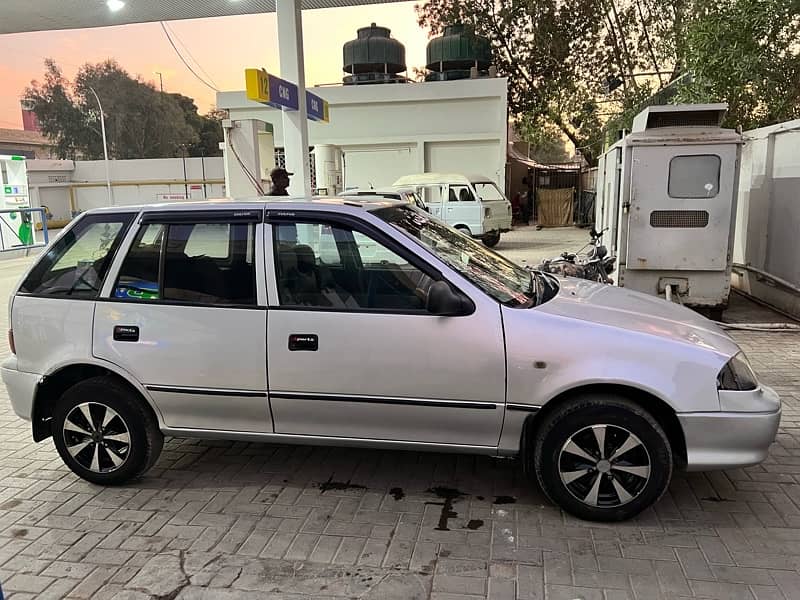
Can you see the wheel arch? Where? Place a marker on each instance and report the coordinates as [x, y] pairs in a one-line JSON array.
[[662, 412], [58, 381]]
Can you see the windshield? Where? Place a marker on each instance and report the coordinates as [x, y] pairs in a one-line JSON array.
[[488, 191], [497, 276]]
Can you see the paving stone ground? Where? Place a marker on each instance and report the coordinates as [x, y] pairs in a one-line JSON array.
[[231, 521]]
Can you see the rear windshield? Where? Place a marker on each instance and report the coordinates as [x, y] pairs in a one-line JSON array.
[[76, 264]]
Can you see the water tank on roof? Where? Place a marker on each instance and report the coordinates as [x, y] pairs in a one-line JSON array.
[[374, 57], [456, 52]]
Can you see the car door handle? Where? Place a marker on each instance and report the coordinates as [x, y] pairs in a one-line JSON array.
[[308, 342], [126, 333]]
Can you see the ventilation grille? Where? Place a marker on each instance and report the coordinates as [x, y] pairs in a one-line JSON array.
[[679, 218], [695, 118], [57, 179]]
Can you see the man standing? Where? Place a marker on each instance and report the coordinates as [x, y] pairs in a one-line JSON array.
[[280, 181]]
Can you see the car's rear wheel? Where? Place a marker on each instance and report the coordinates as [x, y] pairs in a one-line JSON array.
[[602, 458], [104, 433], [491, 239]]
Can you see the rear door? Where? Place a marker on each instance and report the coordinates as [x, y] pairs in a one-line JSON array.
[[184, 313], [496, 209]]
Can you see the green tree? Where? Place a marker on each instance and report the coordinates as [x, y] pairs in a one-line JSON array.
[[140, 122], [745, 53], [208, 127]]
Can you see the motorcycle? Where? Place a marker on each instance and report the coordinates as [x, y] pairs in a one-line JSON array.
[[595, 265]]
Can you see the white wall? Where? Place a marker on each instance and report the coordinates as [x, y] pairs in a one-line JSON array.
[[414, 120], [768, 214], [65, 186]]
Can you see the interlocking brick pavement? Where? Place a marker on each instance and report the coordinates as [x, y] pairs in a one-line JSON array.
[[218, 520]]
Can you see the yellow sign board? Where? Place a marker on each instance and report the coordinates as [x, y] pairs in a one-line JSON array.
[[257, 83]]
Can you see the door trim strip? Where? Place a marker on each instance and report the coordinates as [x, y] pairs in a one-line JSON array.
[[384, 400], [523, 407], [207, 391]]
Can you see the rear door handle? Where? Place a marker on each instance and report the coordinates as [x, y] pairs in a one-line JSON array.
[[126, 333], [308, 342]]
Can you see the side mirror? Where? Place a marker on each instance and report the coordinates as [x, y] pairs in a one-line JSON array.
[[445, 302]]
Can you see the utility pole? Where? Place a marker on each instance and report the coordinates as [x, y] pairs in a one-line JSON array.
[[161, 80]]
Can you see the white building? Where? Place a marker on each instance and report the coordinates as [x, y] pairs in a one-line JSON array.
[[383, 131]]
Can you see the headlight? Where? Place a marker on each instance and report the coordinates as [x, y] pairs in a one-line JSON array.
[[737, 375]]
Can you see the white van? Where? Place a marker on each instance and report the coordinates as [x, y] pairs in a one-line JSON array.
[[407, 195], [473, 204]]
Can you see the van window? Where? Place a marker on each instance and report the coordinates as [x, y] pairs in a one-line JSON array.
[[432, 194], [694, 176], [488, 191], [461, 193], [77, 263]]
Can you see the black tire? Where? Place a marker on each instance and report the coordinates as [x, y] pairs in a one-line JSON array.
[[103, 396], [491, 239], [582, 422], [464, 229]]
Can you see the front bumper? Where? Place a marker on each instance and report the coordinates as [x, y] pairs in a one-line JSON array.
[[732, 438], [21, 387]]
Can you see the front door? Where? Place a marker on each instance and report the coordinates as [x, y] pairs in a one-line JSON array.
[[182, 315], [353, 353]]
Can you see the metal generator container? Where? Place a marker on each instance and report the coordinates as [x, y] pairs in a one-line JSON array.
[[373, 57], [666, 198]]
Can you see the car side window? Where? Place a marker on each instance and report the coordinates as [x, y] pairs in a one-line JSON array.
[[331, 266], [200, 263], [76, 264]]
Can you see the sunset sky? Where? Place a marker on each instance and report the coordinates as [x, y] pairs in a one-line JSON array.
[[223, 47]]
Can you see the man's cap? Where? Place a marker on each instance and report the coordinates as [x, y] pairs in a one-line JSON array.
[[278, 172]]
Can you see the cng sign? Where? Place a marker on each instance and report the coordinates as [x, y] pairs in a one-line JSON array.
[[268, 89], [276, 92]]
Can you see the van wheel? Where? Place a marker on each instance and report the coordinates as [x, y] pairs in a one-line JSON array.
[[602, 458], [463, 229], [491, 239], [104, 433]]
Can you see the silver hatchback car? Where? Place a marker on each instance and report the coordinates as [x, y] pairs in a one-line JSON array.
[[367, 324]]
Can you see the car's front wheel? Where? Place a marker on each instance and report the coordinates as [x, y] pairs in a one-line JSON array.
[[104, 433], [602, 458]]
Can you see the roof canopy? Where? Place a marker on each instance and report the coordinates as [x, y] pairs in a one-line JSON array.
[[18, 16]]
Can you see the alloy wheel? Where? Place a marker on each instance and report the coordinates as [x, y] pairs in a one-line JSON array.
[[604, 466], [97, 437]]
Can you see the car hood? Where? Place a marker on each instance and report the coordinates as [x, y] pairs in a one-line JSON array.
[[633, 311]]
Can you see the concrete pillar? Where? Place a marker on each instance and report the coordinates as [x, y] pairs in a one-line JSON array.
[[295, 123], [243, 137]]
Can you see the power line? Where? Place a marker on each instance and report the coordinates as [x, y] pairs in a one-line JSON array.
[[183, 60], [189, 52]]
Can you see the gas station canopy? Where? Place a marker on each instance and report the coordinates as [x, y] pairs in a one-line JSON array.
[[46, 15]]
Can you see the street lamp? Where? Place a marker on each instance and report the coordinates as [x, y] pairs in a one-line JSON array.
[[105, 146]]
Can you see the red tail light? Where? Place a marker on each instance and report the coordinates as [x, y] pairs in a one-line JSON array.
[[11, 341]]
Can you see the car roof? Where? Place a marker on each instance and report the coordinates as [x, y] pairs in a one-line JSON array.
[[265, 202], [432, 178]]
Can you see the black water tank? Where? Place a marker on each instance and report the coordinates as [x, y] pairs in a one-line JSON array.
[[374, 57], [455, 52]]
